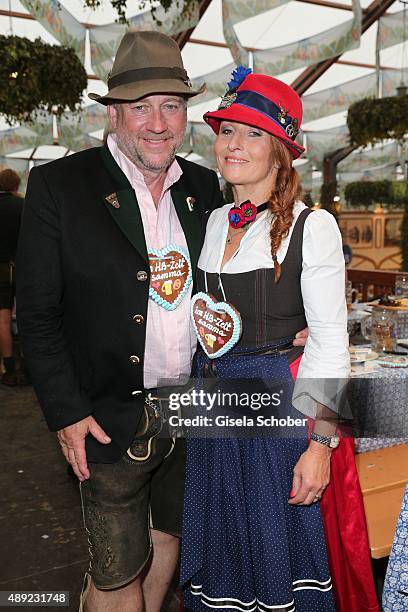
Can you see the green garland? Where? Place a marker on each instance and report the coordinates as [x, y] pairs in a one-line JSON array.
[[36, 77], [392, 194], [373, 119], [121, 6]]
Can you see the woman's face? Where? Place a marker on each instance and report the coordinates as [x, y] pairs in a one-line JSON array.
[[244, 155]]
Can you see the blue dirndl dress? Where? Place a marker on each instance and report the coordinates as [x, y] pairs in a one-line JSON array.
[[244, 547]]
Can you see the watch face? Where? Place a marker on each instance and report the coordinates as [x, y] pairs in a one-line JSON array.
[[334, 442]]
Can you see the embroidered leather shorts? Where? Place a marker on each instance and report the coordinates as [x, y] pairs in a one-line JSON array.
[[122, 501]]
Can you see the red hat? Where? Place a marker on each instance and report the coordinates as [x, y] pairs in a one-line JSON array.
[[264, 102]]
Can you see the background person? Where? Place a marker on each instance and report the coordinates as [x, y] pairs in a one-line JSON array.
[[11, 206]]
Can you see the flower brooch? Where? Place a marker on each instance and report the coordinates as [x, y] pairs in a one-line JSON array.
[[242, 215]]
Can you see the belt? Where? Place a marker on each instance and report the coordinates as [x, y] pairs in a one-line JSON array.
[[279, 350]]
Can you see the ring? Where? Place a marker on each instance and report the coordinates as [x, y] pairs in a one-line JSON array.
[[317, 498]]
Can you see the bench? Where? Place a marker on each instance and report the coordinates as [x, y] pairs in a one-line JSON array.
[[383, 476]]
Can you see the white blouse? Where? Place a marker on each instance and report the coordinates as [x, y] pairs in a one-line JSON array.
[[326, 354]]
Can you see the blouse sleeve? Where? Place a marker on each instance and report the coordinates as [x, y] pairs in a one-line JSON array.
[[325, 366]]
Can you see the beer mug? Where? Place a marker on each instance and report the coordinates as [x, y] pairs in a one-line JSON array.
[[210, 339], [167, 287], [381, 329]]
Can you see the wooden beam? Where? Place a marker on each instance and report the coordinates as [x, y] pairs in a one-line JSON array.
[[360, 65], [183, 37], [212, 43], [19, 15], [5, 13], [312, 73]]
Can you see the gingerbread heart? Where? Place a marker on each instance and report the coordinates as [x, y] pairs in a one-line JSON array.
[[218, 325], [170, 275]]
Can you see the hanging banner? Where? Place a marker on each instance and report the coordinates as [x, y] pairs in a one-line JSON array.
[[387, 171], [202, 140], [21, 166], [59, 22], [93, 117], [27, 135], [104, 40], [305, 52], [242, 9], [370, 157], [390, 80], [390, 30], [216, 84], [72, 133], [305, 172], [319, 143], [233, 12], [338, 98]]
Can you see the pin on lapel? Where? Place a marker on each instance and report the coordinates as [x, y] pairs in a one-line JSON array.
[[112, 199], [190, 203]]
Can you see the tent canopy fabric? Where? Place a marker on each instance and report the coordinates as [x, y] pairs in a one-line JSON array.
[[271, 35]]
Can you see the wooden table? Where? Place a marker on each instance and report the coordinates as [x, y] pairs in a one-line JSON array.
[[383, 476]]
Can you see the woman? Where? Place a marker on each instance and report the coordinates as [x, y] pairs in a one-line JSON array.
[[253, 536]]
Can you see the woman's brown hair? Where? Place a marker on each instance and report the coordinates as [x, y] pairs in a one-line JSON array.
[[282, 200]]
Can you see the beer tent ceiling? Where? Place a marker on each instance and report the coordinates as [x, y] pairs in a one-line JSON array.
[[293, 32]]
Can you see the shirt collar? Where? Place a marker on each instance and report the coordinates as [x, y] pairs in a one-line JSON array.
[[133, 174]]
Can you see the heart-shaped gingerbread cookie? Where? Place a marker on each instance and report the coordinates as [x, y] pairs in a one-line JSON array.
[[170, 275], [218, 325]]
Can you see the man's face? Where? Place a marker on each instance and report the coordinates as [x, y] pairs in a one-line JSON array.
[[151, 130]]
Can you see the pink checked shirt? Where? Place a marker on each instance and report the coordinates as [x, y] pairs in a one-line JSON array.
[[170, 340]]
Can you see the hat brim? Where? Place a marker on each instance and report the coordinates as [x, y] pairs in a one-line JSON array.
[[248, 116], [134, 91]]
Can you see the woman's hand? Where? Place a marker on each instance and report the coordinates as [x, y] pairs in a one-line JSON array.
[[311, 475]]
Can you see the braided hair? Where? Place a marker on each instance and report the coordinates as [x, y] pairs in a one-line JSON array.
[[282, 200]]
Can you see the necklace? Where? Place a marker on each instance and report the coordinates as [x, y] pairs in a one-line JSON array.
[[231, 236]]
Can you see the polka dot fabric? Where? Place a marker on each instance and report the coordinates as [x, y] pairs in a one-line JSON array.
[[244, 547]]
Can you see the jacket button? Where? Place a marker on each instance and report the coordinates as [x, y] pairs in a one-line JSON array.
[[141, 275], [134, 359], [138, 318]]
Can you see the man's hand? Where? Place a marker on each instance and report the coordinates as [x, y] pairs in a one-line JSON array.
[[311, 475], [72, 441], [301, 337]]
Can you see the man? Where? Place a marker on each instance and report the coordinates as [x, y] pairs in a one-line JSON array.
[[95, 343], [11, 206]]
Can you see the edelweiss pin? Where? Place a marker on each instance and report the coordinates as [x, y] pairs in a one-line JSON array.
[[112, 199]]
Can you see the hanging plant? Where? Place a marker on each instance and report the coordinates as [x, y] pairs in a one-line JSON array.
[[37, 77], [390, 194], [121, 5], [373, 119]]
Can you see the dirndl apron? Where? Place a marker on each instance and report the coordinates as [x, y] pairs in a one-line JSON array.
[[244, 547]]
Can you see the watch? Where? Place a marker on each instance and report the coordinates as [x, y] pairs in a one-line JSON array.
[[331, 442]]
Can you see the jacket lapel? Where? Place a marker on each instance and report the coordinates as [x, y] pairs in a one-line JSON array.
[[122, 205], [190, 220]]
